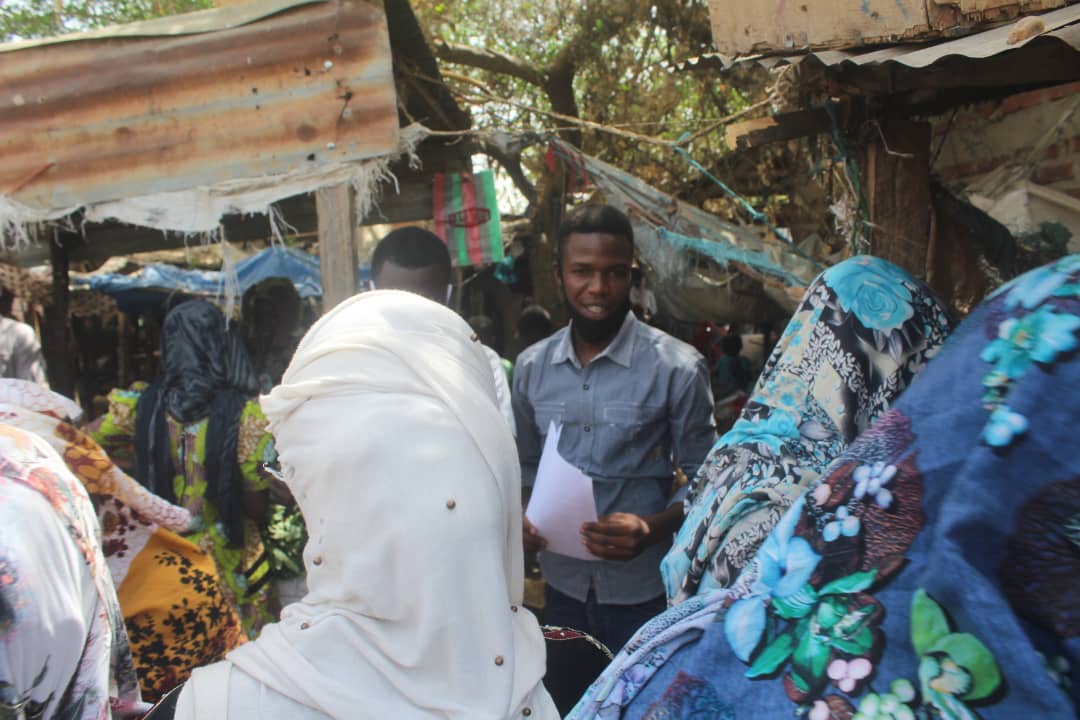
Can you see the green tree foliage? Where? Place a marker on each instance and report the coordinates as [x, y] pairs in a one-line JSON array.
[[618, 63], [25, 19]]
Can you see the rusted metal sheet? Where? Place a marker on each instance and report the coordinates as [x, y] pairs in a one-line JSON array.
[[171, 105], [960, 70], [742, 27], [1059, 27]]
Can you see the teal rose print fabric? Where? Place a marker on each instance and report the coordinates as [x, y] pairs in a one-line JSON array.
[[1027, 332], [863, 331], [931, 572]]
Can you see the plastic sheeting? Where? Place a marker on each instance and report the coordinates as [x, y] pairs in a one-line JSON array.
[[148, 288], [701, 267]]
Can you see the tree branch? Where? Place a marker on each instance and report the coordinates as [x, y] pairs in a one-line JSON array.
[[488, 60], [595, 24], [510, 158]]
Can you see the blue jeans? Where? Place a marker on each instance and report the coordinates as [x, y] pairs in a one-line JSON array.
[[612, 625]]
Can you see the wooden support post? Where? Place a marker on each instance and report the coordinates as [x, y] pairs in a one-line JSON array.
[[123, 350], [337, 251], [897, 189], [56, 340]]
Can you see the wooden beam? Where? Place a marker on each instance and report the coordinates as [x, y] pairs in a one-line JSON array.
[[897, 190], [786, 126], [123, 351], [56, 338], [335, 207]]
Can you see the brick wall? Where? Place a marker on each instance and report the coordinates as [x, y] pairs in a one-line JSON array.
[[984, 137]]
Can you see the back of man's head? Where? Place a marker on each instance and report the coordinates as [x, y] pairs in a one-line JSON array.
[[484, 327], [413, 259], [534, 325], [731, 345]]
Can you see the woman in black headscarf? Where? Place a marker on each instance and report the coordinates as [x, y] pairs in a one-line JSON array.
[[200, 441]]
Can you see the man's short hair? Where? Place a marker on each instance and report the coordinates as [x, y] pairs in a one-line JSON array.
[[593, 218], [411, 247]]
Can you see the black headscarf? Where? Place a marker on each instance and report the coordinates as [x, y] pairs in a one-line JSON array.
[[205, 373]]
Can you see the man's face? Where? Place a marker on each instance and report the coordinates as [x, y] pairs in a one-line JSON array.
[[595, 276], [429, 282]]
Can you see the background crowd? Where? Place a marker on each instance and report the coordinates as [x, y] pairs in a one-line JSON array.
[[885, 526]]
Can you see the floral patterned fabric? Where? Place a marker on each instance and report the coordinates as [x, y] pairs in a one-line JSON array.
[[242, 570], [932, 572], [863, 331], [63, 648], [177, 616]]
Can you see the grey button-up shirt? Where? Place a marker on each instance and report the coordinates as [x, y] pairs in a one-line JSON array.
[[640, 404]]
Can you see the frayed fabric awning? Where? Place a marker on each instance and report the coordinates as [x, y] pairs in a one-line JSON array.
[[198, 211], [751, 274]]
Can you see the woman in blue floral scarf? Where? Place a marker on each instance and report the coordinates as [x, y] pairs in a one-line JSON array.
[[933, 571], [862, 332]]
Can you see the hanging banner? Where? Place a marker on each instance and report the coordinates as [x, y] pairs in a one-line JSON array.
[[467, 217]]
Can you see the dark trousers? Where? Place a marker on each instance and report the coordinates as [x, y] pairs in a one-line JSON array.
[[612, 625]]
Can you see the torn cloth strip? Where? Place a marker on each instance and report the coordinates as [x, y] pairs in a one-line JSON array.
[[198, 211]]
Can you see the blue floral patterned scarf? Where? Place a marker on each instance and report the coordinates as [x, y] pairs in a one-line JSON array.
[[863, 331], [932, 572]]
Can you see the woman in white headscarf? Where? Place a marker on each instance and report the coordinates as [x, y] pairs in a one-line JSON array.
[[392, 443]]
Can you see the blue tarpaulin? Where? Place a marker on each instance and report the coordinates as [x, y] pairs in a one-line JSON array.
[[148, 288], [282, 262]]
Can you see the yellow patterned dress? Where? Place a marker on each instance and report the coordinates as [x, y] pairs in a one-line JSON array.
[[175, 611], [244, 572]]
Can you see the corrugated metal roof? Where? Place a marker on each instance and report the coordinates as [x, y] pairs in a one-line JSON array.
[[1062, 26], [236, 92], [192, 23]]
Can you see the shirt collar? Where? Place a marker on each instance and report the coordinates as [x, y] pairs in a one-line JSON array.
[[620, 350]]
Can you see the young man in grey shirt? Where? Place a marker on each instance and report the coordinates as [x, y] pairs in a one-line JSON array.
[[634, 403]]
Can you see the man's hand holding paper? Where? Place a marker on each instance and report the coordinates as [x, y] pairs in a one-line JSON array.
[[561, 504]]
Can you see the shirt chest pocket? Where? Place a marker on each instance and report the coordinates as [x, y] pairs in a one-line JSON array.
[[546, 413], [633, 419]]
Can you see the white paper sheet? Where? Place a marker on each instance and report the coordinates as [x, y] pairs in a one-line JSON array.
[[561, 501]]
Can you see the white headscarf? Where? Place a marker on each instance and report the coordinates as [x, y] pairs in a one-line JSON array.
[[408, 478]]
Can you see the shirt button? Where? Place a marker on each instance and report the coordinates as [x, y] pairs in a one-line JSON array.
[[317, 560], [513, 608], [587, 428], [499, 660], [304, 625], [585, 386], [451, 504], [527, 712]]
